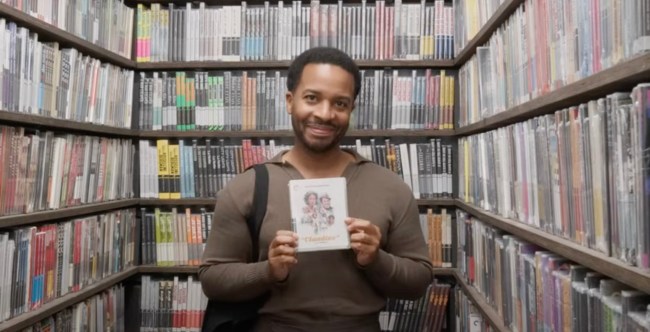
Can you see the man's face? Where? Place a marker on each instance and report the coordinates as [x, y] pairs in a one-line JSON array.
[[320, 106], [325, 202]]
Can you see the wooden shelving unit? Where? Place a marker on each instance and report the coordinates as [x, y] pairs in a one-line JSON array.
[[43, 122], [48, 31], [486, 310], [590, 258], [620, 77], [27, 319], [70, 212]]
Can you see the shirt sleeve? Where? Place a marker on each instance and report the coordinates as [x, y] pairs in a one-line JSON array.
[[225, 273], [402, 268]]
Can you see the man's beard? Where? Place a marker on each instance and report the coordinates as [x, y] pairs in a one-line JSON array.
[[318, 145]]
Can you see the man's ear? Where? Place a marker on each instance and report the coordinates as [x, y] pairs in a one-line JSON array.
[[289, 100]]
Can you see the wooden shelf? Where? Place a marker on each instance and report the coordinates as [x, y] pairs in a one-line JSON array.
[[215, 134], [71, 212], [284, 64], [186, 269], [133, 3], [49, 32], [401, 133], [212, 201], [621, 77], [445, 271], [590, 258], [30, 318], [436, 202], [178, 202], [183, 269], [289, 133], [214, 65], [498, 18], [37, 121], [481, 304]]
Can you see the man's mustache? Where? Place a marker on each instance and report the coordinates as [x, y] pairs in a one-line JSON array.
[[320, 124]]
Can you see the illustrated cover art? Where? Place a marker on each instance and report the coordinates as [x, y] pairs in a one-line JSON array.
[[318, 211]]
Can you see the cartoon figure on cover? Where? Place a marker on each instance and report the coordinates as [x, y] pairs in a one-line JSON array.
[[318, 211]]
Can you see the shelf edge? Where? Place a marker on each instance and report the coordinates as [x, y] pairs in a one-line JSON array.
[[30, 318], [592, 259]]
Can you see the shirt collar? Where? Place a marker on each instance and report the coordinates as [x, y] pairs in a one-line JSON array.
[[358, 159]]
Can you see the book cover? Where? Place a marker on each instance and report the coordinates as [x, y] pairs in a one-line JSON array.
[[318, 211]]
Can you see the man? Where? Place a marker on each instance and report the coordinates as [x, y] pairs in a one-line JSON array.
[[325, 211], [325, 205], [338, 290]]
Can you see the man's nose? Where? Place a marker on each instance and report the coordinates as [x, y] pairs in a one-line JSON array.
[[324, 110]]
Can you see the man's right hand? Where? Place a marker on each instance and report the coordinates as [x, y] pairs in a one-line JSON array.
[[282, 254]]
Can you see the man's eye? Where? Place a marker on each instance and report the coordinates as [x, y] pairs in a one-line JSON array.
[[341, 104], [310, 98]]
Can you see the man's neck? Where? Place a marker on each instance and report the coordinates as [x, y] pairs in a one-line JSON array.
[[318, 165]]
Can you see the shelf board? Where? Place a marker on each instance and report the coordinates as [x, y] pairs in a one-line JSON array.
[[212, 201], [498, 18], [481, 304], [30, 318], [38, 121], [620, 77], [401, 133], [284, 64], [178, 202], [186, 269], [70, 212], [289, 133], [597, 261], [215, 134], [445, 271], [182, 269], [436, 201], [132, 3], [49, 32]]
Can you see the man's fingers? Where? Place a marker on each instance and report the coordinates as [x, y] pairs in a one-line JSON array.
[[360, 225], [284, 237], [363, 234], [356, 222], [284, 240], [359, 237], [283, 250], [363, 238], [286, 233], [284, 259]]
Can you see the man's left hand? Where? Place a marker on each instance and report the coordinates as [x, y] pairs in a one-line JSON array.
[[365, 238]]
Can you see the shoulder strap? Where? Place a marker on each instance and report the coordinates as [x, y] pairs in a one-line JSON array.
[[260, 198]]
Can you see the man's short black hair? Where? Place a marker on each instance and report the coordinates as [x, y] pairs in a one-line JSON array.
[[324, 55]]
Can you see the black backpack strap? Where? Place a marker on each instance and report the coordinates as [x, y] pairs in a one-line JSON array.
[[223, 316], [260, 199]]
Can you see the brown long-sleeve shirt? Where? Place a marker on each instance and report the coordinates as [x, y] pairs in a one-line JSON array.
[[326, 286]]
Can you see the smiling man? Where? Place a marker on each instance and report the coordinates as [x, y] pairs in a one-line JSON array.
[[338, 290]]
